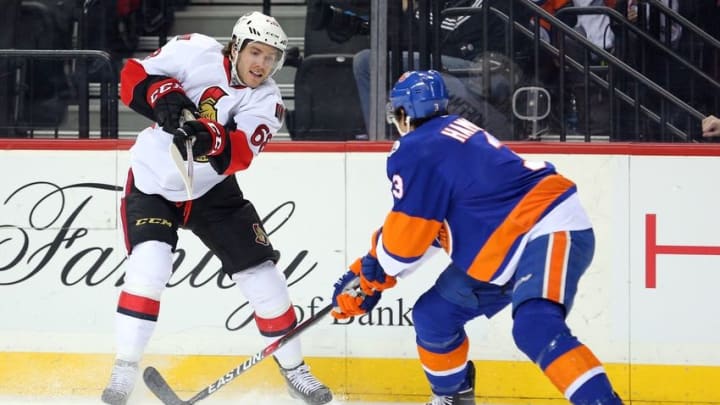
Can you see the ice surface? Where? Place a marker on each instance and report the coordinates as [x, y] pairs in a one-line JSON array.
[[248, 399]]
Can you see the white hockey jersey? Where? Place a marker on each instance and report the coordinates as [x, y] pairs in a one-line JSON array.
[[197, 62]]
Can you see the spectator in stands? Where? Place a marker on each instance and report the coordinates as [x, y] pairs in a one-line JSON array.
[[461, 47], [593, 26], [675, 28], [711, 126], [596, 28]]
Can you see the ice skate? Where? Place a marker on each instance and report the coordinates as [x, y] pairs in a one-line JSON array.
[[122, 381], [464, 397], [303, 385]]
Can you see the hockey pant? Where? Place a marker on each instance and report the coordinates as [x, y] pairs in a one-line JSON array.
[[545, 285], [541, 291]]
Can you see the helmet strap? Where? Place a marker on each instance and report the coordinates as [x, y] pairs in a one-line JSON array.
[[403, 129], [234, 76], [407, 124]]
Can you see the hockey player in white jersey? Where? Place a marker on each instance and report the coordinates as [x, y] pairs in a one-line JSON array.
[[238, 107]]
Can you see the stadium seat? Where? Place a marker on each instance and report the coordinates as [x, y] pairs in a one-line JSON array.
[[326, 100]]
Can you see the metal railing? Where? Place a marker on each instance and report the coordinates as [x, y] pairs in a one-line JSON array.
[[652, 110], [91, 75], [623, 83], [698, 47], [692, 75], [392, 34], [78, 60]]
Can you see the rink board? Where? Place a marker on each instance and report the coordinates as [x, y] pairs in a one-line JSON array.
[[642, 307], [401, 380]]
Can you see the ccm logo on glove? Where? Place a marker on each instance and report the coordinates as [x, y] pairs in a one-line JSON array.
[[208, 137], [217, 134], [168, 101], [162, 88]]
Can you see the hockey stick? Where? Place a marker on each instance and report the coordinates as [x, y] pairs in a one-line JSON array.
[[157, 384], [185, 169]]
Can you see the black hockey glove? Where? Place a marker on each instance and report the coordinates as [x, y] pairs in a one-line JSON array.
[[168, 100], [209, 137], [168, 110]]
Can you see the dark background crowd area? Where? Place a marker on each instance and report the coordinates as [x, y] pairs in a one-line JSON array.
[[596, 91]]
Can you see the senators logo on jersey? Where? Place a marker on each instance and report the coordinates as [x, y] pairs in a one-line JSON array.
[[261, 237], [208, 100]]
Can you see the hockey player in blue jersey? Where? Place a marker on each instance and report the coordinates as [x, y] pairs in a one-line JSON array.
[[516, 234]]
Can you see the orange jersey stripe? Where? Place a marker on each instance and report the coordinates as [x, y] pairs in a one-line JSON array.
[[407, 236], [557, 266], [571, 366], [520, 220], [445, 361], [356, 266]]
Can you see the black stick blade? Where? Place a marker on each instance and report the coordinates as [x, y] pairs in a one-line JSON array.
[[157, 384]]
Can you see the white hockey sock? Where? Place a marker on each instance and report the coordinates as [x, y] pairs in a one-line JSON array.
[[290, 355], [132, 336], [265, 288], [148, 270]]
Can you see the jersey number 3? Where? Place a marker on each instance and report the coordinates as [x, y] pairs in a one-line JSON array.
[[397, 186]]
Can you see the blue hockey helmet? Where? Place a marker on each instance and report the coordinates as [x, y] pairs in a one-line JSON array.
[[421, 93]]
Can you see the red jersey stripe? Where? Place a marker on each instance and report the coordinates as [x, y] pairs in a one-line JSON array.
[[240, 153], [131, 75]]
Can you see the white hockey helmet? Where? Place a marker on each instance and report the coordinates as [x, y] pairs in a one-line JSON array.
[[258, 27]]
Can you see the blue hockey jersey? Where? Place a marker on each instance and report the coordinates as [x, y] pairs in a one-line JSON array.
[[457, 185]]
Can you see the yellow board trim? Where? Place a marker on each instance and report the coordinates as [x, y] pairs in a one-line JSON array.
[[355, 379]]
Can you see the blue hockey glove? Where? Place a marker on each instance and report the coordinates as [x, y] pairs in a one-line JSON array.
[[373, 277], [349, 299]]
